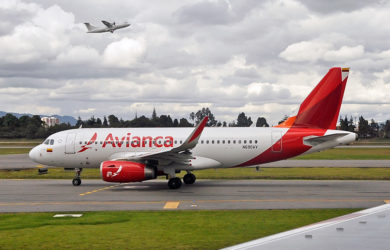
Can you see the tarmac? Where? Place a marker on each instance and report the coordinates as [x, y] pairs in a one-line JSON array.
[[95, 195], [21, 161]]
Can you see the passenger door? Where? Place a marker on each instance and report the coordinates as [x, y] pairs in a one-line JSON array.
[[69, 145]]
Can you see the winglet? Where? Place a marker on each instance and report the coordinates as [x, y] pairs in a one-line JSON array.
[[193, 139], [198, 130]]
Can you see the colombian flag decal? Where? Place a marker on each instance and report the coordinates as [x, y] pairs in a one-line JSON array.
[[49, 150]]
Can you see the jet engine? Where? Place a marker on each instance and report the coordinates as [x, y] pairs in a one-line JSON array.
[[126, 171]]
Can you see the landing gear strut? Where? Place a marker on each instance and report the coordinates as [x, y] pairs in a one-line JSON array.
[[189, 178], [174, 183], [77, 180]]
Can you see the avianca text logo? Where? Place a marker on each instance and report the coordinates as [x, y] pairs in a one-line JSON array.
[[128, 141], [84, 147]]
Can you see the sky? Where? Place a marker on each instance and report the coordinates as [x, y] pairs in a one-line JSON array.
[[258, 57]]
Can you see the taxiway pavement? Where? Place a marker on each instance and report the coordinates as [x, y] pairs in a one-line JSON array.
[[21, 161], [96, 195]]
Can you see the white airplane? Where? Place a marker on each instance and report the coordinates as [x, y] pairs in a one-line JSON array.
[[111, 27], [139, 154]]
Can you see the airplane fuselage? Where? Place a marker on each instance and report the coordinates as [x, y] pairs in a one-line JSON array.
[[217, 147], [109, 29]]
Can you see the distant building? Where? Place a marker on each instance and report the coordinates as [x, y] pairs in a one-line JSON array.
[[50, 121]]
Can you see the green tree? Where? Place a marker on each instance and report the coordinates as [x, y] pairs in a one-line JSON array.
[[200, 114], [105, 123], [243, 120], [364, 128], [185, 123], [261, 122], [386, 129], [154, 115], [113, 121]]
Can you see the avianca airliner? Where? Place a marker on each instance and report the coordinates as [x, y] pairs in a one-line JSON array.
[[139, 154]]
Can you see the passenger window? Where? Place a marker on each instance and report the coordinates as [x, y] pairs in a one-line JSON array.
[[212, 141], [228, 141], [51, 141], [255, 141], [250, 141], [180, 141], [244, 141], [217, 141], [207, 142], [239, 141], [234, 141], [201, 142], [223, 141], [175, 142]]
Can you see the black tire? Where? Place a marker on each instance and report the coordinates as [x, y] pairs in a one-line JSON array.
[[76, 182], [174, 183], [189, 179]]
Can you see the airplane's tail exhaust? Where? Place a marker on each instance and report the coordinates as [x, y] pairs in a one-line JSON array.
[[322, 107], [89, 26]]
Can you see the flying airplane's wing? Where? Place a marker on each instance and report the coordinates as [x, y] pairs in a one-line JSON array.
[[108, 24], [180, 154]]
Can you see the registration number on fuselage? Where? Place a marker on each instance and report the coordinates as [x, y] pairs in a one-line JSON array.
[[249, 146]]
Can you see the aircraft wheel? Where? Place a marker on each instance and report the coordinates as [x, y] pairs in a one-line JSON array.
[[174, 183], [76, 182], [189, 178]]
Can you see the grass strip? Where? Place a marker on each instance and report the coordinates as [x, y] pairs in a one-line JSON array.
[[152, 230], [231, 173], [349, 154], [9, 151]]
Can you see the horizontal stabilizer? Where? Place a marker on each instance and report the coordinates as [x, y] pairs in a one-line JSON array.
[[314, 141]]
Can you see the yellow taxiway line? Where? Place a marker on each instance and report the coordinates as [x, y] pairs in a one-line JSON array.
[[100, 189]]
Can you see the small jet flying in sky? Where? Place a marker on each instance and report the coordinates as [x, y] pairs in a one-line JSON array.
[[111, 27], [139, 154]]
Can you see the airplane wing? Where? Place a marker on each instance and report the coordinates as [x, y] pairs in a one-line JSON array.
[[108, 24], [180, 154]]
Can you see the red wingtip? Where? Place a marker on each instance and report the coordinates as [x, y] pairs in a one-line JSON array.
[[199, 129]]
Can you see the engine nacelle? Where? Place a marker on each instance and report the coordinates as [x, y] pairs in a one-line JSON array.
[[126, 171]]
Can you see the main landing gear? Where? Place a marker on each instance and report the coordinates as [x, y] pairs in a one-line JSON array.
[[77, 180], [175, 182]]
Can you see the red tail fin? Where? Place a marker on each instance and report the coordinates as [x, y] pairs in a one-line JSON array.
[[321, 108]]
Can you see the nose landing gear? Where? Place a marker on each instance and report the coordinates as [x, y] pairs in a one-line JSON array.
[[77, 180]]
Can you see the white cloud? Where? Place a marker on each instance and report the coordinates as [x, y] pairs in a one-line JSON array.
[[124, 53], [345, 53], [257, 57], [86, 111]]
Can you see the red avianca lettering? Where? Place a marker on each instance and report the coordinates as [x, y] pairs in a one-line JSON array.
[[128, 141]]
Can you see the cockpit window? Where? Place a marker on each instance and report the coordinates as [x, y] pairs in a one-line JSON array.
[[51, 141], [47, 142]]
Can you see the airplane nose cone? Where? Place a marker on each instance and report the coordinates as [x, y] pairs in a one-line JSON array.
[[34, 154]]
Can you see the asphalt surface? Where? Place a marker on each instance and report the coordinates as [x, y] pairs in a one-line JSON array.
[[21, 161], [95, 195]]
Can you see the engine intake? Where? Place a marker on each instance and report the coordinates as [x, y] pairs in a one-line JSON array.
[[126, 171]]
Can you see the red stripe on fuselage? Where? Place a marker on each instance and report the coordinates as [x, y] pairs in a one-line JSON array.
[[292, 145]]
